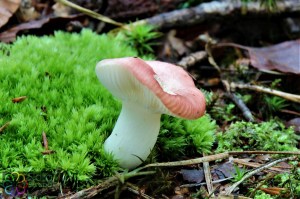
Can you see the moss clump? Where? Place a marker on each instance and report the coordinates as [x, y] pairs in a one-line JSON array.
[[269, 136], [65, 100]]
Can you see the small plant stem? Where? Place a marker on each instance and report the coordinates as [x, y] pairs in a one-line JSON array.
[[90, 13], [248, 175], [287, 96], [4, 126], [208, 179]]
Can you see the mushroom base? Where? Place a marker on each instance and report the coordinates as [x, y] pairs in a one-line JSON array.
[[133, 136]]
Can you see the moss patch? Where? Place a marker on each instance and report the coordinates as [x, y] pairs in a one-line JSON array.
[[66, 100]]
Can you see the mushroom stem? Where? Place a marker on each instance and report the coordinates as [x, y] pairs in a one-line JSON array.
[[134, 135]]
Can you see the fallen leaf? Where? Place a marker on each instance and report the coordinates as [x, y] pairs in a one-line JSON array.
[[273, 190], [19, 99], [295, 123], [195, 175], [7, 9], [284, 57], [10, 35]]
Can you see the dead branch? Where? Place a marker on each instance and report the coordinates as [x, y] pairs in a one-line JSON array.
[[248, 175], [205, 11], [192, 59], [287, 96]]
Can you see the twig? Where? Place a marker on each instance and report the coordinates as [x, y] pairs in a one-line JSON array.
[[206, 11], [248, 175], [4, 126], [241, 105], [192, 59], [208, 158], [269, 176], [245, 110], [207, 175], [211, 158], [108, 183], [287, 96], [136, 191], [264, 152], [90, 12]]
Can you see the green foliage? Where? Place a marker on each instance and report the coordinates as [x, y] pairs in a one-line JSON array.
[[269, 136], [223, 112], [273, 104], [180, 137], [269, 4], [239, 174], [66, 100], [142, 38], [262, 195]]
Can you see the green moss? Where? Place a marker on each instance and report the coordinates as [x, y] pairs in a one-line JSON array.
[[66, 100], [269, 136]]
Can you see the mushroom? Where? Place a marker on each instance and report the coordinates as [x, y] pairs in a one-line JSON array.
[[147, 89]]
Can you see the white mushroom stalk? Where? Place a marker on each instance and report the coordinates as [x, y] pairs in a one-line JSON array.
[[147, 89], [134, 135]]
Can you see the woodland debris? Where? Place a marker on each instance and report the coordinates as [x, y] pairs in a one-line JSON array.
[[208, 178], [19, 99], [206, 11], [251, 173], [7, 9], [192, 59], [284, 57], [287, 96]]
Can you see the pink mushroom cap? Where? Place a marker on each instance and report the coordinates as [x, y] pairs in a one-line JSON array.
[[171, 84]]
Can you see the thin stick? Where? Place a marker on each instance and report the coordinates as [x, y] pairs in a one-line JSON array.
[[189, 162], [242, 106], [192, 59], [90, 12], [136, 191], [264, 152], [207, 175], [287, 96], [248, 175]]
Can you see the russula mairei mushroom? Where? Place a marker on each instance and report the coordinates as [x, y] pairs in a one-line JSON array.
[[147, 89]]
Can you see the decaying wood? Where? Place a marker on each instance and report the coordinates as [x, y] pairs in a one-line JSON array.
[[205, 11]]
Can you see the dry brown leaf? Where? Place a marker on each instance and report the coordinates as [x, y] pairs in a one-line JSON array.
[[7, 9], [284, 57], [18, 99], [10, 35]]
